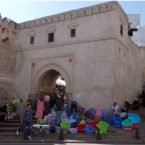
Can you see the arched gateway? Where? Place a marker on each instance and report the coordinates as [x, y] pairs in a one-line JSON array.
[[45, 77]]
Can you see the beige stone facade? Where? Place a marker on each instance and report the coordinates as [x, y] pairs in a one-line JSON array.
[[101, 64]]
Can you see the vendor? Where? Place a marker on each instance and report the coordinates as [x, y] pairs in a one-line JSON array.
[[40, 108], [59, 106], [135, 104], [74, 107], [143, 98], [47, 108], [126, 107], [125, 110], [115, 109]]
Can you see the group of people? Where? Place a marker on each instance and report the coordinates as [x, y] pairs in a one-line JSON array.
[[3, 111], [41, 108], [59, 102], [45, 104], [125, 109]]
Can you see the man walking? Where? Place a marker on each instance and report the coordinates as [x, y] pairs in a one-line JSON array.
[[20, 109], [27, 122]]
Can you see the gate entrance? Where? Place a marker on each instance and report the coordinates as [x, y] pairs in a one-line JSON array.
[[50, 80]]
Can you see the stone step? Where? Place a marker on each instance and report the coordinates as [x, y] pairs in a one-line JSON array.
[[8, 133], [8, 129], [17, 121], [11, 124], [13, 121]]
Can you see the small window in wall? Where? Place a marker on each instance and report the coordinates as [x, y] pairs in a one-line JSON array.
[[51, 37], [3, 30], [32, 40], [73, 32], [121, 30]]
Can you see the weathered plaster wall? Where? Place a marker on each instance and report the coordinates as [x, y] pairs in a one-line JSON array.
[[7, 73], [89, 73], [127, 72]]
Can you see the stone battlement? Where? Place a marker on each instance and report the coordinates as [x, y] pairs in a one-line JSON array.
[[74, 14]]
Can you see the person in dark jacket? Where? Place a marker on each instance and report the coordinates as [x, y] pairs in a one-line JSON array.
[[143, 98], [135, 104], [30, 101], [59, 106], [74, 107], [27, 122], [52, 100], [125, 110], [47, 108], [126, 107], [3, 113]]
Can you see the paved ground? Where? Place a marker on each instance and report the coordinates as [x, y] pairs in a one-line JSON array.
[[118, 136], [61, 144]]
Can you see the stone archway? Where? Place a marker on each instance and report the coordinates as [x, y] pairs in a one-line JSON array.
[[54, 71], [46, 82]]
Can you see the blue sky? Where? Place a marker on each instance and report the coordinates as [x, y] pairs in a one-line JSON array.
[[21, 11]]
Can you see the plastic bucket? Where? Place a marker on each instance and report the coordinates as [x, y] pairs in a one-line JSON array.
[[89, 129]]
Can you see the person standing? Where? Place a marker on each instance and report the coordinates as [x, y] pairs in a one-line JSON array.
[[143, 98], [126, 107], [59, 106], [53, 97], [135, 104], [21, 109], [115, 109], [40, 108], [3, 113], [27, 122], [47, 108], [125, 110], [20, 113], [74, 107], [30, 101]]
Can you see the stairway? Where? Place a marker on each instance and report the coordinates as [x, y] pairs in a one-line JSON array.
[[9, 127]]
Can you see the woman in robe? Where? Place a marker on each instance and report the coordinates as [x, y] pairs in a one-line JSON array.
[[40, 109]]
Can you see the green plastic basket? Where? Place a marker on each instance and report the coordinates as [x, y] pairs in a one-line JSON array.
[[103, 126]]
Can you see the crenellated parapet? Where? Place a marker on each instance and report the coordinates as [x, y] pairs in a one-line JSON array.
[[7, 31], [92, 10]]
